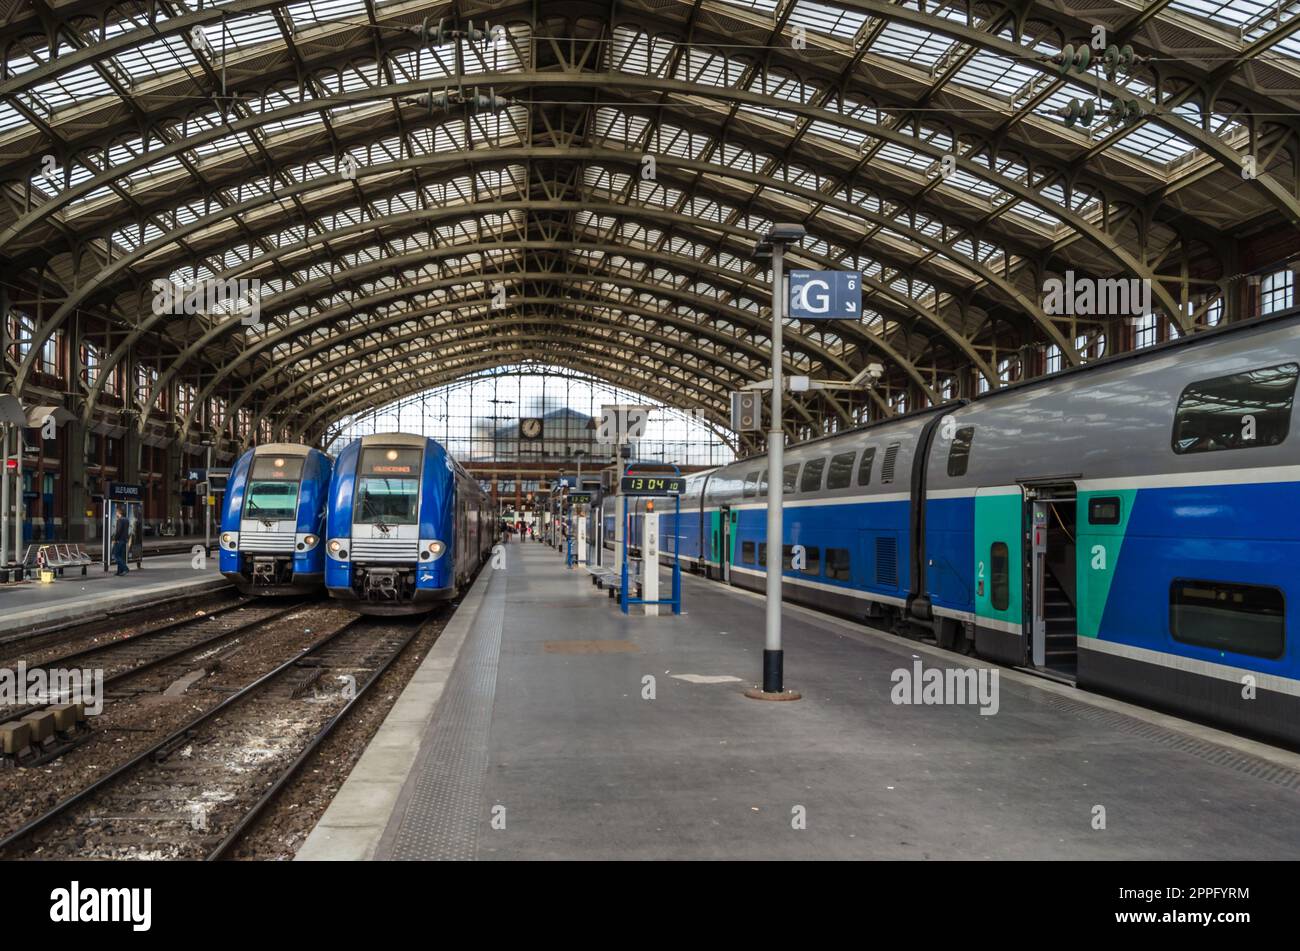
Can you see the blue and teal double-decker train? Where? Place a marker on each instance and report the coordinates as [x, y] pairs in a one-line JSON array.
[[1132, 524]]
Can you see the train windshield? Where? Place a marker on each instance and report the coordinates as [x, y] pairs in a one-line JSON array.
[[388, 487], [272, 491]]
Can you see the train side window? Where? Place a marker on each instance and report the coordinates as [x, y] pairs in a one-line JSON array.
[[747, 552], [762, 554], [751, 485], [812, 475], [838, 565], [787, 557], [762, 483], [887, 468], [1242, 618], [1241, 411], [1104, 511], [864, 467], [959, 453], [841, 472], [1000, 576], [790, 477]]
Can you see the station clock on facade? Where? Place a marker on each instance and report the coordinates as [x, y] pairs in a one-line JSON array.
[[530, 428]]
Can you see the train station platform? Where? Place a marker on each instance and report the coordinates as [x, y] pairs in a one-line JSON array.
[[98, 593], [529, 732]]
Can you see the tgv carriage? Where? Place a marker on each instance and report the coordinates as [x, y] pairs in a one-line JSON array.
[[406, 525], [1134, 523], [272, 520]]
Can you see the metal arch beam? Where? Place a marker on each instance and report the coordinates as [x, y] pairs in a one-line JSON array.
[[288, 389], [468, 212], [1287, 203], [600, 156], [505, 81], [120, 265], [388, 294], [450, 373], [613, 157], [492, 369], [107, 46], [456, 333], [394, 293], [671, 262], [424, 255], [414, 364], [648, 21], [424, 331]]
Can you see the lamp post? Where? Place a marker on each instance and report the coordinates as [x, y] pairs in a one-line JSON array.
[[207, 498], [778, 239]]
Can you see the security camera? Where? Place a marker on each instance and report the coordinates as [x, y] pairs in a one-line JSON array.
[[875, 371]]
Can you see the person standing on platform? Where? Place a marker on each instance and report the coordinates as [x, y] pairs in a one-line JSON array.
[[121, 532]]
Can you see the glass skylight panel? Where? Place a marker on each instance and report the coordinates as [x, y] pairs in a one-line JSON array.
[[1154, 143], [1227, 13], [314, 12], [243, 32], [996, 74], [832, 21], [154, 58], [918, 162], [632, 51], [918, 47]]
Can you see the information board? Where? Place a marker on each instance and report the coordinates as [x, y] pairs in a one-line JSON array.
[[652, 485]]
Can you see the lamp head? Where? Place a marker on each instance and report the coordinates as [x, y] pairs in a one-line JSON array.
[[786, 232]]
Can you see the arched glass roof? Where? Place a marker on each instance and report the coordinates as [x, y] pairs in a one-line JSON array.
[[416, 191]]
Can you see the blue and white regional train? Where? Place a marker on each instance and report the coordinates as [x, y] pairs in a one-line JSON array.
[[406, 525], [1134, 524], [272, 520]]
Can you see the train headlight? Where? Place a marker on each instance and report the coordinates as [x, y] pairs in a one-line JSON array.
[[308, 542], [434, 550], [230, 540], [337, 548]]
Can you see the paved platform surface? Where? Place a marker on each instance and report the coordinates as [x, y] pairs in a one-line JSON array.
[[526, 735], [99, 593]]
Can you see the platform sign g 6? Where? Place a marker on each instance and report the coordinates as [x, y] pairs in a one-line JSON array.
[[826, 295]]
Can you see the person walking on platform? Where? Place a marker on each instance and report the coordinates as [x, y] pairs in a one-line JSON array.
[[121, 533]]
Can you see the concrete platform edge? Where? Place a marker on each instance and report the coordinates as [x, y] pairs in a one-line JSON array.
[[94, 606], [354, 822]]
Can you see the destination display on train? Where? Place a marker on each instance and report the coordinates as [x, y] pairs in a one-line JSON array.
[[390, 462], [652, 485]]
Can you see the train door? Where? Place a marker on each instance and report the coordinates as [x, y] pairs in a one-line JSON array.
[[714, 544], [999, 568], [726, 527], [1052, 615]]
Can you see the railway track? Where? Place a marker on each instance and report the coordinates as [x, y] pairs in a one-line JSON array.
[[152, 647], [193, 793]]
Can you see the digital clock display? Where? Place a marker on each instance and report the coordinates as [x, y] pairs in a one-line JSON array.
[[579, 498], [652, 485]]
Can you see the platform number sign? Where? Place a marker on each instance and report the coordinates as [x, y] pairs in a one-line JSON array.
[[825, 295]]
